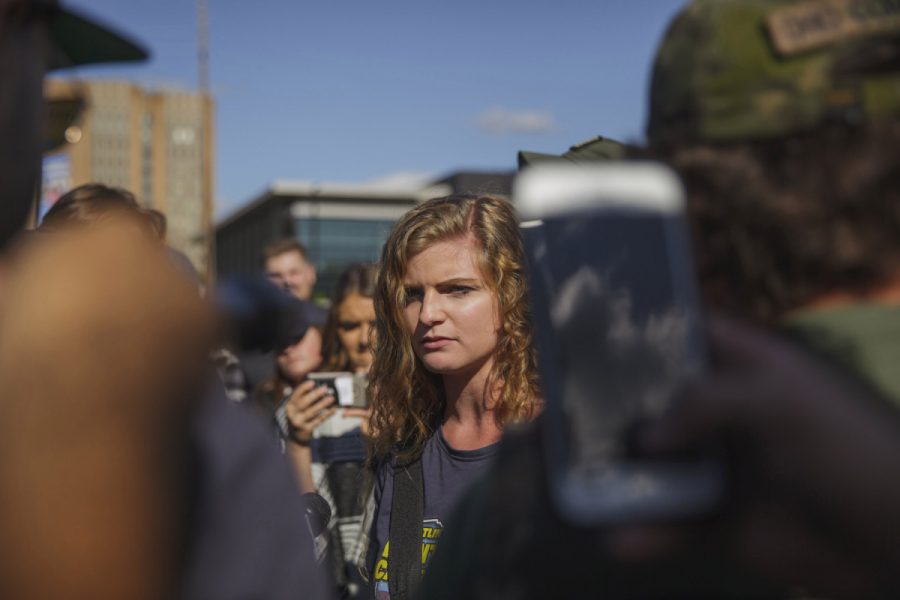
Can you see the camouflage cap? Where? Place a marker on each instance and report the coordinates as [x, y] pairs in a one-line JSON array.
[[595, 149], [732, 70]]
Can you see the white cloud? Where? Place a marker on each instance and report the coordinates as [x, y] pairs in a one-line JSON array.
[[505, 121]]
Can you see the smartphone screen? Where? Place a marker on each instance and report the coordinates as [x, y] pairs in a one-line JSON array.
[[618, 332], [349, 389]]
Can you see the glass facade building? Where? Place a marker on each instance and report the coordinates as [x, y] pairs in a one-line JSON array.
[[335, 244], [339, 224]]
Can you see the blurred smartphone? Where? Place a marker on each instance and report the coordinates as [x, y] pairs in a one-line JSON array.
[[618, 330], [349, 389]]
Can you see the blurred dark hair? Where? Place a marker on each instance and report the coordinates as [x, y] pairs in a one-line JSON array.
[[357, 279], [159, 222], [92, 203], [779, 223]]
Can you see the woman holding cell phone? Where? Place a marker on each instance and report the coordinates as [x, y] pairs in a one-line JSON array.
[[346, 347], [332, 460]]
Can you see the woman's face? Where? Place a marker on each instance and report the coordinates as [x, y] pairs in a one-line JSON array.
[[299, 360], [450, 311], [356, 326]]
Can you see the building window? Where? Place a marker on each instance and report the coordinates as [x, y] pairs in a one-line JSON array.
[[335, 244], [183, 135]]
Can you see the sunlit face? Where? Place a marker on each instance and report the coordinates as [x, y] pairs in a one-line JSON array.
[[450, 311], [290, 271], [356, 326], [299, 360]]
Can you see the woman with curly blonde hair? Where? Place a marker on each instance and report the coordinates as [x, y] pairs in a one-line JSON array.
[[453, 366]]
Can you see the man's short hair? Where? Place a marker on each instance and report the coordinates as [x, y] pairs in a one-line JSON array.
[[283, 246], [159, 221], [93, 202]]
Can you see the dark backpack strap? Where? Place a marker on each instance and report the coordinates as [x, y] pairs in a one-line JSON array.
[[405, 552]]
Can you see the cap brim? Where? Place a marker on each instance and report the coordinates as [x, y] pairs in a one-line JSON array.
[[528, 159], [597, 149], [77, 40], [293, 323]]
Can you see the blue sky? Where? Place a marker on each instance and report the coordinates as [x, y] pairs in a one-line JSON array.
[[358, 90]]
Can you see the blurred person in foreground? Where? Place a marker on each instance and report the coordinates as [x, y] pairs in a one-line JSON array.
[[328, 444], [216, 441], [790, 161], [782, 119], [37, 542], [454, 366], [103, 347], [93, 203]]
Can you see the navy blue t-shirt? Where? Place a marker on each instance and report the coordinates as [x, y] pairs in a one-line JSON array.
[[446, 474]]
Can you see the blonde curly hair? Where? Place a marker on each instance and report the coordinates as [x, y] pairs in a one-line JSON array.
[[407, 400]]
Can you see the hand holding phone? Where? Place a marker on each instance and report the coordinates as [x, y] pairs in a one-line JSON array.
[[618, 332], [306, 408], [350, 389]]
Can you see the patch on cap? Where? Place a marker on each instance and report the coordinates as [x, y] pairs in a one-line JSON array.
[[809, 25], [732, 70]]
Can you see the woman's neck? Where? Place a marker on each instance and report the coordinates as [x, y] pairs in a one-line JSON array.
[[469, 421]]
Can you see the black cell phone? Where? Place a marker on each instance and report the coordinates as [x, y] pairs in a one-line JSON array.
[[349, 389], [618, 331]]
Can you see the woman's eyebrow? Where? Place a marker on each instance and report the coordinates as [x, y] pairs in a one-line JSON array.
[[451, 281], [461, 280]]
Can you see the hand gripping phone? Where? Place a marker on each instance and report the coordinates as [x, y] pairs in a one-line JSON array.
[[618, 331], [348, 389]]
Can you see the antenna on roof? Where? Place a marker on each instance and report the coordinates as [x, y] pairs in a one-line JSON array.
[[202, 46]]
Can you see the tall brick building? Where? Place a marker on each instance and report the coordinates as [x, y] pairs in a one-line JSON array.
[[156, 143]]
